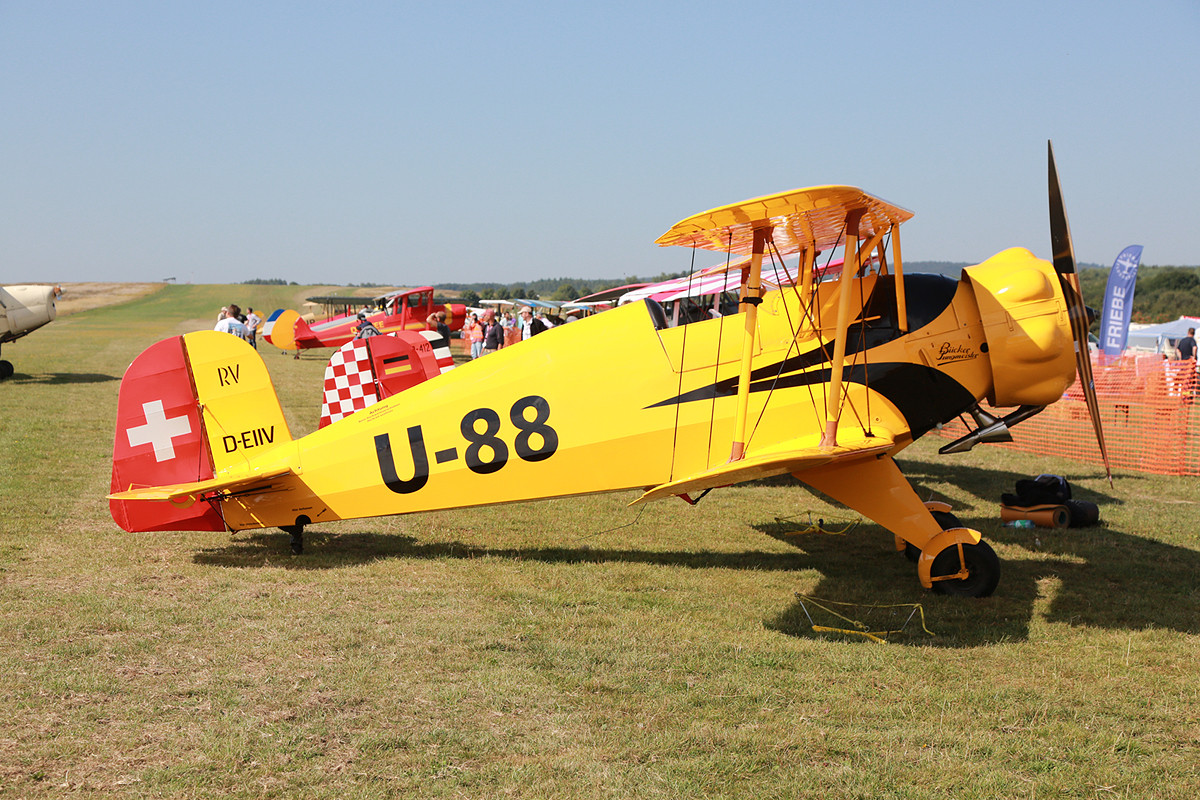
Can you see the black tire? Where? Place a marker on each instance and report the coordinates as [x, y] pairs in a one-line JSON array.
[[945, 519], [983, 568], [6, 370]]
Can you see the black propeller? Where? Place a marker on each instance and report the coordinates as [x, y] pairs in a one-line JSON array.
[[1077, 312]]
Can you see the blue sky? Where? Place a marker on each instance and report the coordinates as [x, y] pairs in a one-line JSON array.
[[404, 143]]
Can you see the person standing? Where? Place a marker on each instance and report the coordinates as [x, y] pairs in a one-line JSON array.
[[474, 332], [493, 333], [253, 321], [442, 327], [530, 325], [512, 330], [365, 329], [1185, 348], [229, 322]]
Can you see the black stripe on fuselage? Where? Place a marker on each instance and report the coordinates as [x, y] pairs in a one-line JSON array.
[[924, 395]]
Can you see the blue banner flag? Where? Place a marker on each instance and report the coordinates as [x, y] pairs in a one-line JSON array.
[[1118, 301]]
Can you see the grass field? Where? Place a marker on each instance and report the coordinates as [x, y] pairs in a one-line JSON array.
[[571, 648]]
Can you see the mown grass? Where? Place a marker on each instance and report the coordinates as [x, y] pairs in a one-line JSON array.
[[571, 648]]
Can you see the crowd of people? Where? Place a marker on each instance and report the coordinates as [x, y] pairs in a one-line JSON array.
[[486, 333], [244, 326], [489, 332]]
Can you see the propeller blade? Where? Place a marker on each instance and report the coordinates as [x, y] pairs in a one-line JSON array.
[[1064, 264], [1060, 231]]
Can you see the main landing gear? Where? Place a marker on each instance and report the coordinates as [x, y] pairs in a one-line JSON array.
[[957, 562], [297, 534], [966, 570]]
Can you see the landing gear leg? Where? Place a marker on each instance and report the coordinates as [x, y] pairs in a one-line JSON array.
[[297, 534]]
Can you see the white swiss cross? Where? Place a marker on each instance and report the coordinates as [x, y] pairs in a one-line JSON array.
[[159, 431]]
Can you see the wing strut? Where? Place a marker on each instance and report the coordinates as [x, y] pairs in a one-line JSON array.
[[850, 263], [751, 297]]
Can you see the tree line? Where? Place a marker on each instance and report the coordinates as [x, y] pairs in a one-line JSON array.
[[1161, 294]]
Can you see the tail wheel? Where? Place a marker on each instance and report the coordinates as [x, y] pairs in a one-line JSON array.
[[946, 520], [982, 565]]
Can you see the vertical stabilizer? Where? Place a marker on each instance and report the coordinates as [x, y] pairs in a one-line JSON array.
[[190, 408], [159, 441], [364, 371]]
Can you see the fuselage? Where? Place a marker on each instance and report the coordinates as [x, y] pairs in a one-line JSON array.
[[619, 401]]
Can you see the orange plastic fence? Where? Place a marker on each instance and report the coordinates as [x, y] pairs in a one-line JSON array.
[[1149, 410]]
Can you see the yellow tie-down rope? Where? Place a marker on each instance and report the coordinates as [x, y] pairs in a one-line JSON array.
[[860, 629], [841, 524]]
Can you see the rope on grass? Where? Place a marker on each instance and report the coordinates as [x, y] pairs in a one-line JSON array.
[[844, 524], [860, 628]]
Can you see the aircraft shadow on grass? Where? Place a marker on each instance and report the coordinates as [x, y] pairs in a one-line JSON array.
[[58, 378], [1098, 577], [1102, 578]]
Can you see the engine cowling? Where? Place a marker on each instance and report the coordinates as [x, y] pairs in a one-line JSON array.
[[1025, 323], [26, 308]]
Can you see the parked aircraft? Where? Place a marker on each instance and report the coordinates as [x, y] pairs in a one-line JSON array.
[[823, 380], [24, 309], [401, 310]]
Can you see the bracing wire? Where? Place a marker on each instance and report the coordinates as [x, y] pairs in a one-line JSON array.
[[682, 358], [807, 309], [862, 326], [776, 262], [712, 412]]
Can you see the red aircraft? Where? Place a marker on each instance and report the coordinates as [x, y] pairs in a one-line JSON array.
[[404, 310]]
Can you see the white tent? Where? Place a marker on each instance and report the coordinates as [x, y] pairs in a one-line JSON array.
[[1160, 338]]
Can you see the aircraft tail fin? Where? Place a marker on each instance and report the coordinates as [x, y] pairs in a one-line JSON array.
[[287, 330], [191, 409], [364, 371]]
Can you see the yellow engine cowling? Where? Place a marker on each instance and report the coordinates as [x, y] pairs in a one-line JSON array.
[[1025, 323]]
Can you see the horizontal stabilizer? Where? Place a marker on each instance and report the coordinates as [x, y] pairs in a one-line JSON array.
[[178, 492], [793, 455]]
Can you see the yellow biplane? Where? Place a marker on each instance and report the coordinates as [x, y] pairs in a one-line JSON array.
[[823, 380]]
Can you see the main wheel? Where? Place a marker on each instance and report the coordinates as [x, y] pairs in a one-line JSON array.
[[983, 570], [6, 370], [945, 519]]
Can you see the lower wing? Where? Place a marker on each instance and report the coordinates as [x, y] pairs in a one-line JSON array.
[[793, 455]]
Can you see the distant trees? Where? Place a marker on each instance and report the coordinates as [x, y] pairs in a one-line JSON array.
[[469, 298], [566, 291], [1161, 294]]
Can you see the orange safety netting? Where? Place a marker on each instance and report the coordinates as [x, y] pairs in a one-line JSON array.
[[1148, 408]]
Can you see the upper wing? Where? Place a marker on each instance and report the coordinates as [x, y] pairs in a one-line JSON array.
[[790, 456], [802, 218]]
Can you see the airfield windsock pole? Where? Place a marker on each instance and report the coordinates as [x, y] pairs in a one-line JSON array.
[[751, 297]]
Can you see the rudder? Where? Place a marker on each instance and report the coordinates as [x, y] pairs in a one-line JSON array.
[[190, 407]]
